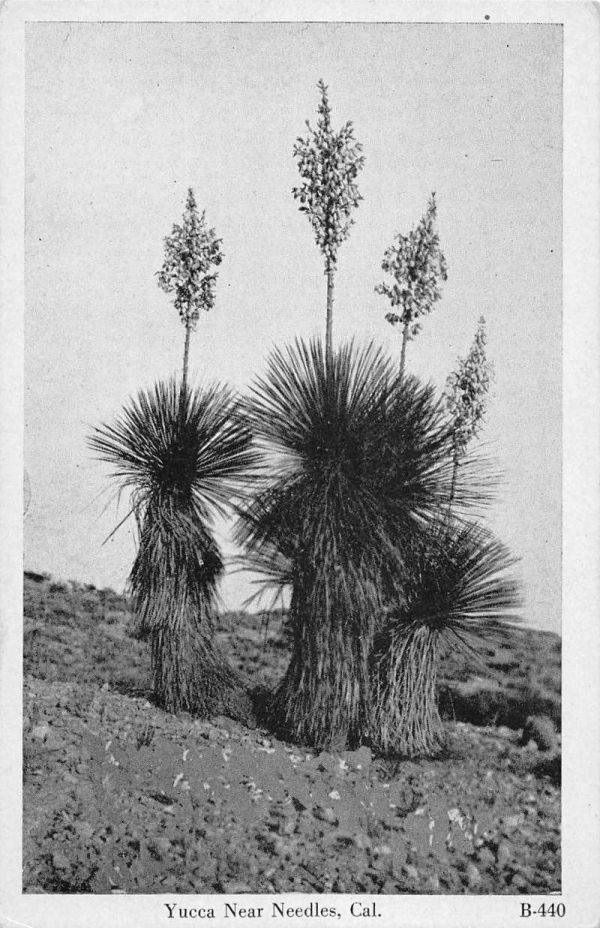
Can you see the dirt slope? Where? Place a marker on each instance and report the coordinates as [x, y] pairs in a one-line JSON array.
[[121, 797]]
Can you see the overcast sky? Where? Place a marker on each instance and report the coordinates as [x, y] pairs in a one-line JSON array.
[[122, 118]]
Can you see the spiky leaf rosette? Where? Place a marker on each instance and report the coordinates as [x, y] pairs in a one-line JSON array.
[[183, 456], [459, 589], [352, 468]]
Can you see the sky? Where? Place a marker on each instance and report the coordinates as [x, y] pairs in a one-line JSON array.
[[122, 118]]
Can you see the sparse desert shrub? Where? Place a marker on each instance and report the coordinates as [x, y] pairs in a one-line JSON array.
[[112, 617], [479, 702], [539, 701], [550, 767], [541, 730], [58, 587], [37, 578], [89, 602]]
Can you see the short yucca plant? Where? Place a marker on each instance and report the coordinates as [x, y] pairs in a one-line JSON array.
[[457, 589], [182, 454], [358, 462]]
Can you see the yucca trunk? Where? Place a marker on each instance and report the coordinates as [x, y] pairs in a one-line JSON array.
[[186, 359], [324, 698], [406, 720], [189, 675], [173, 598]]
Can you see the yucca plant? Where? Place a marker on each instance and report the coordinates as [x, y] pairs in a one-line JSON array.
[[183, 455], [457, 590], [359, 462]]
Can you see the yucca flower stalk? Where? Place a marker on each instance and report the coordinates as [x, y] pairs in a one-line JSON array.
[[192, 252], [416, 265], [183, 455], [329, 163], [466, 397], [457, 591], [358, 464]]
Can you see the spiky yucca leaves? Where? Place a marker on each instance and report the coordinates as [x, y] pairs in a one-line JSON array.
[[458, 589], [182, 454], [358, 460]]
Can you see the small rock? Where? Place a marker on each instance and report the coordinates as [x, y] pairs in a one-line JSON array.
[[519, 882], [383, 849], [85, 792], [53, 742], [288, 827], [473, 874], [503, 854], [486, 858], [325, 815], [361, 841], [362, 758], [60, 861], [40, 732], [411, 872], [513, 821], [389, 887], [85, 830], [433, 883]]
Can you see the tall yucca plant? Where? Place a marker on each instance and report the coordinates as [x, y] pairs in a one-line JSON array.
[[357, 462], [458, 589], [182, 455]]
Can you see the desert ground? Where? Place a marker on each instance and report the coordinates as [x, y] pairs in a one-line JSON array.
[[121, 797]]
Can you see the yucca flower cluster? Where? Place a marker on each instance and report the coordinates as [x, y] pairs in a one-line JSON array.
[[467, 390], [329, 163], [417, 266], [192, 251]]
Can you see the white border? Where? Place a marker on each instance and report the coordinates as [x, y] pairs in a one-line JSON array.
[[581, 471]]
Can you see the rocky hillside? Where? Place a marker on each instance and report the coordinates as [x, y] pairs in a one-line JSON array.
[[121, 797]]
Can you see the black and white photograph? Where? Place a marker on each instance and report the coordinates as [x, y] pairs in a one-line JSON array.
[[302, 463]]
